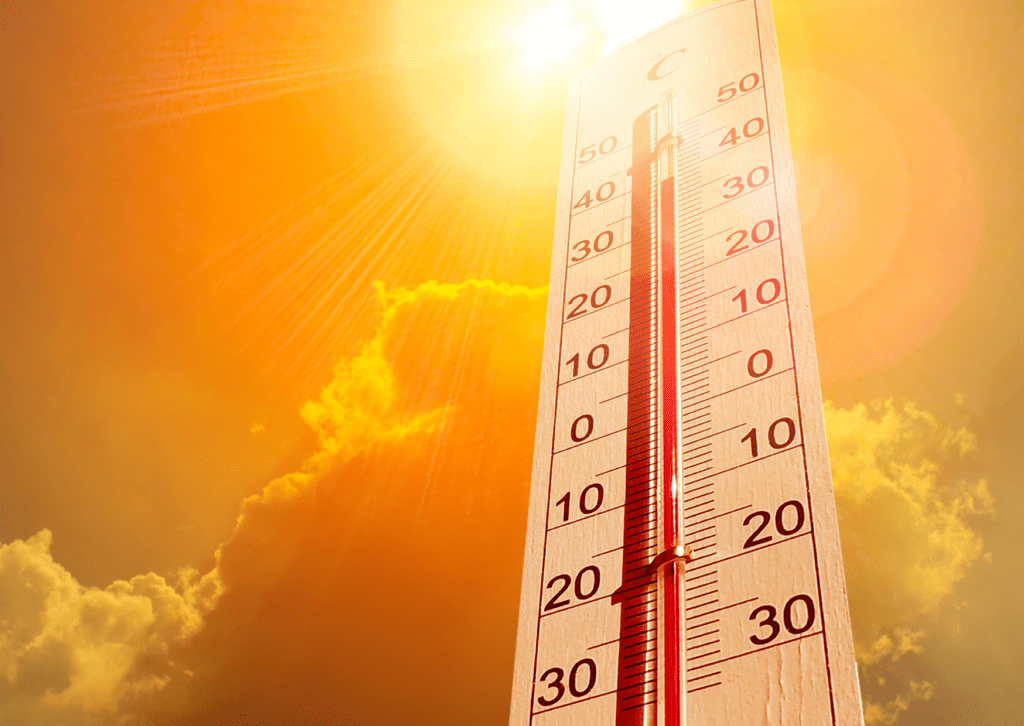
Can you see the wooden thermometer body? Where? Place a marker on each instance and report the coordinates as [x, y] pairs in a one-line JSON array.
[[682, 556]]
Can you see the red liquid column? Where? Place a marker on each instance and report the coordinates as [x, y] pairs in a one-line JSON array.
[[671, 477], [638, 637]]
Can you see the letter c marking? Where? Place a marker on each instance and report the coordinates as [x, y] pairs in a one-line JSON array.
[[654, 74]]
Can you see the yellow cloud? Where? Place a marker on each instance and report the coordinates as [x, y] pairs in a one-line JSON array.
[[886, 714], [69, 653], [364, 410], [907, 529], [358, 412]]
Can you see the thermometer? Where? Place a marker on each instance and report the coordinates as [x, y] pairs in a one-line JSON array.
[[682, 560]]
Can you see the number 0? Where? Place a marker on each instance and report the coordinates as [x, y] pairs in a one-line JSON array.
[[752, 363], [768, 227], [773, 430], [760, 172], [574, 688], [768, 291], [757, 124], [582, 428], [598, 500], [787, 614]]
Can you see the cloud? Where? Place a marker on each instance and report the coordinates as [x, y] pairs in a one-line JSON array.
[[887, 713], [69, 653], [430, 343], [358, 412], [908, 532]]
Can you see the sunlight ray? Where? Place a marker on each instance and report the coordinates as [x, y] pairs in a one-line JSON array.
[[178, 84]]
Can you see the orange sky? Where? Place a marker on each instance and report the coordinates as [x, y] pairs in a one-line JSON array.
[[198, 199]]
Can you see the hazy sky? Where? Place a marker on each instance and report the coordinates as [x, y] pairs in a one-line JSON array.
[[255, 468]]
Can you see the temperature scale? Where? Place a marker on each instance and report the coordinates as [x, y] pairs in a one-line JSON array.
[[682, 557]]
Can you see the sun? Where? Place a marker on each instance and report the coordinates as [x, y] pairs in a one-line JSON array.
[[622, 22], [548, 36]]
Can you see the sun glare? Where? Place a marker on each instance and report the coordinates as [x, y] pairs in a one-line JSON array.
[[624, 21], [548, 36]]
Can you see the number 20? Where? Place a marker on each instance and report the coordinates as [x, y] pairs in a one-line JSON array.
[[759, 234], [597, 299]]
